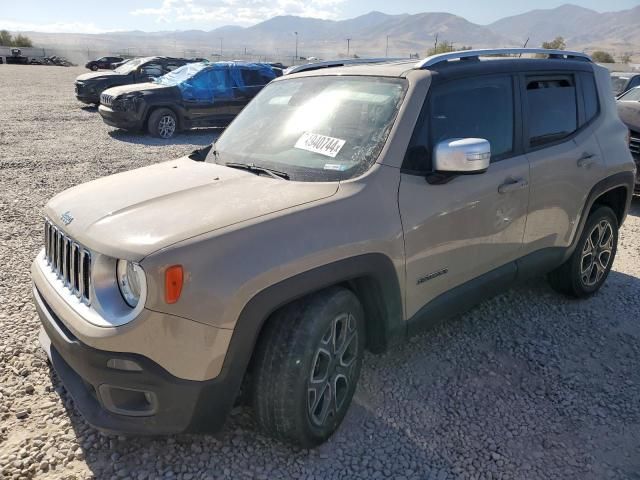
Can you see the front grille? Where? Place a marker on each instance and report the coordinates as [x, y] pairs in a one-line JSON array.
[[106, 100], [634, 146], [69, 261]]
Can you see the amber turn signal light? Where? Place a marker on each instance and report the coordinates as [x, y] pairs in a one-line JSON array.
[[173, 279]]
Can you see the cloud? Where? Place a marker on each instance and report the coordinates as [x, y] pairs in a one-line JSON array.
[[57, 27], [239, 12]]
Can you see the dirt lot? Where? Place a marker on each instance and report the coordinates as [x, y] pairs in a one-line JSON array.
[[527, 385]]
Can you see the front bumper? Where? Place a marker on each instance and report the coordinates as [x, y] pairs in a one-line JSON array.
[[127, 392], [125, 120], [87, 94]]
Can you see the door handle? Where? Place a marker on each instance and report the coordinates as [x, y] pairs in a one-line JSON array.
[[513, 185], [585, 160]]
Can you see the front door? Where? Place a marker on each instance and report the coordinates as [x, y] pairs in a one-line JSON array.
[[474, 224], [208, 97]]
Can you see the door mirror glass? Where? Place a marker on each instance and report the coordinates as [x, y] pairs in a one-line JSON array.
[[462, 155]]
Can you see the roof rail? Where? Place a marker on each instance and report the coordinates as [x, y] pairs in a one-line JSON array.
[[466, 54]]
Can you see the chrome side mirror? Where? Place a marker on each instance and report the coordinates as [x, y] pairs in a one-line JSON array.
[[462, 155]]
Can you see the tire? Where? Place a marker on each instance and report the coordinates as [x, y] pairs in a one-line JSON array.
[[94, 68], [162, 123], [585, 272], [298, 380]]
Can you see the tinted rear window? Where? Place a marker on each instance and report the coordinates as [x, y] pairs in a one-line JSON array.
[[553, 112]]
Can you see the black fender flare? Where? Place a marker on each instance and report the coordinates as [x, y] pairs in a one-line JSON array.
[[621, 179]]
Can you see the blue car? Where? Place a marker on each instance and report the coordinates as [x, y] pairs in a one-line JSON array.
[[196, 95]]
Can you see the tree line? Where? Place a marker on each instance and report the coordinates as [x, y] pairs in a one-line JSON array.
[[8, 40]]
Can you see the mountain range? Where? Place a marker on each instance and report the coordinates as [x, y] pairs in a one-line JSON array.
[[583, 29]]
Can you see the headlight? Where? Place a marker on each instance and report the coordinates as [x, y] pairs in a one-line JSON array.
[[127, 103], [131, 278]]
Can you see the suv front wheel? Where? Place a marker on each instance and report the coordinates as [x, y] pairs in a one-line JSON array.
[[306, 367], [588, 267], [163, 123]]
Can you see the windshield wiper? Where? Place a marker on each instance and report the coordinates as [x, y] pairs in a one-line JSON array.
[[253, 168]]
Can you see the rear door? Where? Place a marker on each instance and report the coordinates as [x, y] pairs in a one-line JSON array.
[[457, 231], [561, 116]]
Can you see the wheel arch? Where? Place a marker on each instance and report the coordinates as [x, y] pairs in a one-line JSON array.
[[372, 277], [615, 192], [153, 108]]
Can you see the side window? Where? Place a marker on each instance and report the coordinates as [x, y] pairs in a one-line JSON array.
[[171, 66], [151, 70], [220, 83], [553, 112], [470, 108], [251, 77], [590, 97]]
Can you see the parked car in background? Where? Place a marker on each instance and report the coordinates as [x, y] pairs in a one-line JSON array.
[[119, 64], [103, 63], [89, 86], [629, 111], [342, 210], [195, 95], [621, 81]]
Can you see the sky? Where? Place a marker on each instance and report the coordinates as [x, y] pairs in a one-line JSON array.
[[95, 16]]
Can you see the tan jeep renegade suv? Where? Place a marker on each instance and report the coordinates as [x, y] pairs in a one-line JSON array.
[[344, 209]]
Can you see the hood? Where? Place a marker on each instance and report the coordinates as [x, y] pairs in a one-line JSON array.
[[134, 87], [132, 214], [630, 114], [103, 75]]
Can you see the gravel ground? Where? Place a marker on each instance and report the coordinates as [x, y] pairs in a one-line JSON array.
[[527, 385]]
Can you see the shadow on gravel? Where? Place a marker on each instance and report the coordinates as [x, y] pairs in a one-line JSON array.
[[635, 206], [200, 136], [89, 108], [529, 384]]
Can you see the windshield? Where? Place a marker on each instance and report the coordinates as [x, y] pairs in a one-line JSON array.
[[618, 84], [181, 74], [130, 66], [632, 95], [316, 128]]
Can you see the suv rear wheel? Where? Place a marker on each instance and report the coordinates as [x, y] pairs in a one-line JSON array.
[[307, 364], [588, 267], [162, 123]]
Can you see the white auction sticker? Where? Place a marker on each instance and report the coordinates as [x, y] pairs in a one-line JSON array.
[[314, 142]]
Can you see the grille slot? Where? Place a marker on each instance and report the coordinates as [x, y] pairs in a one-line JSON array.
[[106, 100], [634, 146], [69, 261]]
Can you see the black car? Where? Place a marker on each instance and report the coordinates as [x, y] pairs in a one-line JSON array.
[[629, 110], [196, 95], [622, 82], [104, 63], [89, 86]]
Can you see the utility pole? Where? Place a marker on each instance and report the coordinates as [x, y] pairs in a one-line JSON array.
[[220, 48], [296, 58], [435, 47], [348, 46], [387, 50]]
